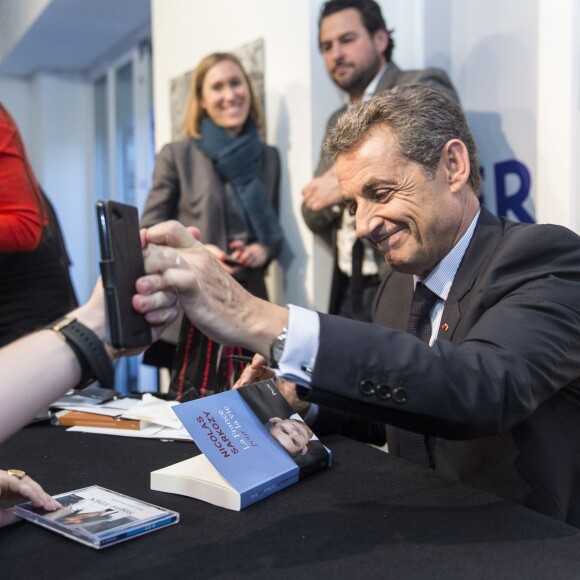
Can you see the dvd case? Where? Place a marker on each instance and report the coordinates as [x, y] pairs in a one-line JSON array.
[[99, 517]]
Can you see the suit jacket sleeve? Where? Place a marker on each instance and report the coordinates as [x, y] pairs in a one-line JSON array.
[[162, 201], [336, 422], [515, 345], [433, 77]]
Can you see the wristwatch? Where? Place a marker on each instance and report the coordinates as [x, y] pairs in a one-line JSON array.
[[89, 350], [277, 348]]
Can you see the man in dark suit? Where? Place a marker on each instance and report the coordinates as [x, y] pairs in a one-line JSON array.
[[494, 392], [357, 49]]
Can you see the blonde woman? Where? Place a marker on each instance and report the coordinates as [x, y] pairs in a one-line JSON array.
[[222, 179]]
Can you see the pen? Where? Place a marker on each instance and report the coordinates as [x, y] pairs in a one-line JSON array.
[[240, 358]]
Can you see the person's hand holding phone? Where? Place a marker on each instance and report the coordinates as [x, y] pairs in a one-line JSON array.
[[121, 265], [253, 255]]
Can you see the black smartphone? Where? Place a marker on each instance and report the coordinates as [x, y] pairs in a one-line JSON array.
[[121, 265], [231, 261]]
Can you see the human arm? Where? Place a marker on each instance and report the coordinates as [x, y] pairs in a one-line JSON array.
[[513, 345], [322, 420], [12, 487], [321, 204], [514, 337], [219, 306], [38, 368]]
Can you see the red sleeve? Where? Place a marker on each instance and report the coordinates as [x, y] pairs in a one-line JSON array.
[[21, 220]]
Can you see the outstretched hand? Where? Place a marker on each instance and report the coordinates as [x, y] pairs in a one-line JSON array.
[[180, 269], [13, 488]]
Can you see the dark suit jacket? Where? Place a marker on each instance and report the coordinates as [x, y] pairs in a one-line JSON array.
[[499, 390], [327, 221]]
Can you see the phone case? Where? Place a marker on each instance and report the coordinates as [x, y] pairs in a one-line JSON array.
[[121, 266]]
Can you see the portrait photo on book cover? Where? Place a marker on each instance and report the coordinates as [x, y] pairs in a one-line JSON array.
[[285, 425], [79, 512]]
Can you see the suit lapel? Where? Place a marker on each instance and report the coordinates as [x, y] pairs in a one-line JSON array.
[[389, 78], [487, 235], [394, 315]]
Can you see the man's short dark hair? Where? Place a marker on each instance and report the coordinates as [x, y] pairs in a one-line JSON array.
[[422, 120], [370, 13]]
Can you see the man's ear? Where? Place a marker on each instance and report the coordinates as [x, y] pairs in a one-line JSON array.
[[381, 40], [455, 161]]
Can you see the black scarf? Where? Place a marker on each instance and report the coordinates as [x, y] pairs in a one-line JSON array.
[[237, 160]]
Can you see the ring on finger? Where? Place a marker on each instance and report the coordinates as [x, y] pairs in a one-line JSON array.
[[18, 473]]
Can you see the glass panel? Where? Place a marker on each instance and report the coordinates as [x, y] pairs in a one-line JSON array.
[[127, 368], [124, 156], [125, 134], [101, 139]]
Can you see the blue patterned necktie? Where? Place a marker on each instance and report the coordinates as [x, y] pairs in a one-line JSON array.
[[412, 446], [420, 315]]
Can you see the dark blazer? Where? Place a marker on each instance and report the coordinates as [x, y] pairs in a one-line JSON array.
[[499, 391], [186, 187], [328, 220]]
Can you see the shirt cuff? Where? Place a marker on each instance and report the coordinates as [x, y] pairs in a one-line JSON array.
[[301, 348], [311, 414]]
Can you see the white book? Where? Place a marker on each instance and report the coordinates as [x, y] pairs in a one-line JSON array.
[[197, 478], [252, 444]]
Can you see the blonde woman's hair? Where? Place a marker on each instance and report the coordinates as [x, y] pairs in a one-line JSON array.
[[194, 112]]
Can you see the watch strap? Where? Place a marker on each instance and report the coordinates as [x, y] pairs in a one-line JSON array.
[[89, 349], [277, 348]]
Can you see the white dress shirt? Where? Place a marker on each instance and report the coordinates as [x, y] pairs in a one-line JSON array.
[[303, 337]]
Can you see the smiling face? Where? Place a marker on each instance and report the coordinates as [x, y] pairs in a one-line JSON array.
[[225, 96], [352, 56], [292, 434], [411, 219]]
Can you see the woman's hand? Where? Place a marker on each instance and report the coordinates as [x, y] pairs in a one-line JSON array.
[[11, 487], [251, 256], [221, 257]]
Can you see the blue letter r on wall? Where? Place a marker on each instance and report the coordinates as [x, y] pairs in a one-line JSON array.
[[513, 202]]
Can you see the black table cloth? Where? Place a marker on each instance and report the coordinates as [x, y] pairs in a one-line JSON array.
[[371, 515]]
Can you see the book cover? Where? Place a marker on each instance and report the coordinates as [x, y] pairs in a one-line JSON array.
[[84, 419], [99, 517], [91, 395], [253, 445]]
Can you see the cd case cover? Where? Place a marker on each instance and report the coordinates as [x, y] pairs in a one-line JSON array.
[[99, 517]]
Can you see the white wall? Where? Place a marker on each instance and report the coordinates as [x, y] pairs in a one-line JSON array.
[[54, 116], [514, 63], [558, 113], [299, 99], [494, 63], [185, 31], [489, 49]]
